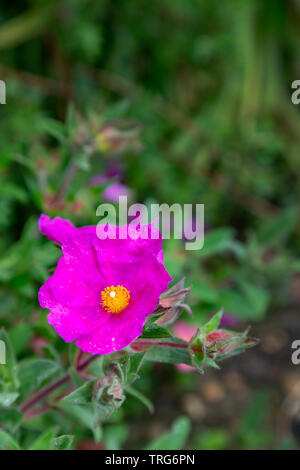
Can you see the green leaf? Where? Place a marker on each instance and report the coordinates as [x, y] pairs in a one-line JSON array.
[[54, 128], [115, 435], [167, 354], [7, 442], [82, 161], [256, 412], [62, 442], [253, 431], [197, 351], [173, 439], [71, 122], [295, 266], [82, 395], [8, 398], [83, 414], [10, 190], [8, 371], [212, 439], [208, 361], [276, 230], [155, 331], [20, 336], [141, 397], [44, 441], [212, 324], [218, 241], [248, 302], [35, 372], [204, 292], [287, 443], [23, 27], [257, 297], [134, 365], [10, 418]]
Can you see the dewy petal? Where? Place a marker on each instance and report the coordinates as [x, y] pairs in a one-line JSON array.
[[125, 262], [115, 331], [69, 322], [88, 265], [80, 253], [68, 288], [56, 229], [59, 230]]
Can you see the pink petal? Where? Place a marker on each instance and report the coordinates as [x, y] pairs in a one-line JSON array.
[[80, 253], [88, 265], [67, 288], [71, 323], [57, 229], [114, 331]]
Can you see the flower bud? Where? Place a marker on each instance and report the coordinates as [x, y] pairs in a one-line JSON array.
[[171, 303], [211, 344], [109, 390], [113, 138]]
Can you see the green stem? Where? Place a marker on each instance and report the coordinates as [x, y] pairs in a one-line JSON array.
[[138, 343]]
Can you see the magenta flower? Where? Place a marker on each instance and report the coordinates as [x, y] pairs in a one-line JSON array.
[[114, 191], [102, 290], [229, 320]]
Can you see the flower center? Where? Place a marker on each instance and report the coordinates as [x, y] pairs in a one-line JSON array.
[[115, 298]]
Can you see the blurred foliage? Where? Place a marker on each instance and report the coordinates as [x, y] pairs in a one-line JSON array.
[[185, 102]]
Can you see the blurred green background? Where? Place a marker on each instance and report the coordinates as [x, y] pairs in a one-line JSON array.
[[167, 101]]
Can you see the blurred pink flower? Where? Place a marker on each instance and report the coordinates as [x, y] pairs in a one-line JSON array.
[[114, 191], [229, 320], [184, 331]]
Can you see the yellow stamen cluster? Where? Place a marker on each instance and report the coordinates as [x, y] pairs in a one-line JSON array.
[[115, 298]]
